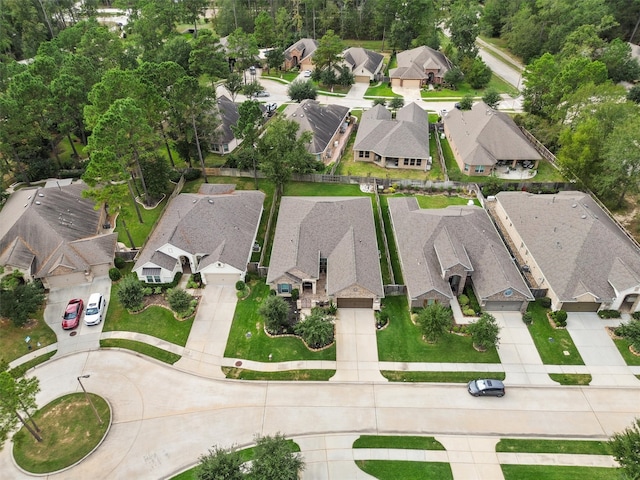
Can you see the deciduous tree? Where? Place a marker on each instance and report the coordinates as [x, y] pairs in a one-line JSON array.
[[247, 129], [484, 332], [131, 292], [434, 321], [275, 311], [220, 464], [19, 302], [302, 89], [17, 401], [275, 460], [626, 449], [328, 52]]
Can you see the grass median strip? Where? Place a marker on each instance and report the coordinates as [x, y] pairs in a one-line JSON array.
[[441, 377], [290, 375], [395, 469], [571, 378], [537, 445], [554, 472], [143, 348], [408, 442], [20, 370]]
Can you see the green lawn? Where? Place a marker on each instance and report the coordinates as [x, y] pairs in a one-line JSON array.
[[442, 201], [380, 233], [465, 89], [402, 341], [70, 430], [438, 377], [257, 346], [408, 442], [537, 445], [551, 343], [380, 90], [391, 241], [289, 375], [20, 370], [155, 321], [311, 189], [143, 348], [375, 45], [12, 338], [571, 378], [537, 472], [139, 231], [623, 347], [397, 469]]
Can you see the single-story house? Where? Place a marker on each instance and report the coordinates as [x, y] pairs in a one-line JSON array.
[[402, 142], [442, 249], [573, 249], [366, 65], [326, 248], [419, 66], [54, 234], [327, 123], [483, 139], [300, 54], [211, 232], [226, 141]]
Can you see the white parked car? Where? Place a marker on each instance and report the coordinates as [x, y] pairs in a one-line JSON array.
[[95, 309]]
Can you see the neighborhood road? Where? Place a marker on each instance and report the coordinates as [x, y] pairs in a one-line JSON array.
[[164, 419]]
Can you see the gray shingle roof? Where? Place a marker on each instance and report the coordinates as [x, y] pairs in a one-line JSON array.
[[363, 61], [575, 243], [431, 240], [323, 121], [222, 227], [405, 137], [340, 229], [412, 63], [55, 226], [483, 136], [229, 116], [305, 45]]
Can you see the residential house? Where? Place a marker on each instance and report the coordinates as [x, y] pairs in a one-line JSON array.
[[327, 123], [443, 250], [300, 54], [419, 66], [402, 142], [365, 65], [211, 232], [326, 248], [572, 249], [483, 139], [226, 141], [54, 234]]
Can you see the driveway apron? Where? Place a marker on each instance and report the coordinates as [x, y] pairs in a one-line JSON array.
[[357, 347]]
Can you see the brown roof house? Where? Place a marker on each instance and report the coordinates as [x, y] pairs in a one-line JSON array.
[[402, 142], [419, 66], [300, 54], [211, 232], [327, 123], [326, 248], [483, 139], [226, 141], [573, 249], [54, 234], [441, 250], [366, 65]]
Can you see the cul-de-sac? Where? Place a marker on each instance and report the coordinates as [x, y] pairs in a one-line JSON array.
[[320, 240]]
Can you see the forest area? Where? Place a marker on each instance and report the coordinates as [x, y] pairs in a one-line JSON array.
[[137, 98]]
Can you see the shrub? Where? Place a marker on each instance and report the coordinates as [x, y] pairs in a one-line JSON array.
[[545, 302], [484, 332], [434, 321], [119, 262], [131, 292], [316, 330], [463, 300], [469, 312], [146, 291], [275, 311], [527, 317], [560, 317], [635, 315], [179, 300], [114, 274], [240, 285], [609, 314], [295, 294], [174, 176], [382, 318], [630, 332], [157, 290], [192, 174]]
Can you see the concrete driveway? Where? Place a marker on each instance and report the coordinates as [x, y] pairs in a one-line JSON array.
[[83, 337]]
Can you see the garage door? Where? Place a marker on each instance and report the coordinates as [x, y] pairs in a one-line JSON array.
[[503, 306], [580, 306], [355, 303], [221, 278]]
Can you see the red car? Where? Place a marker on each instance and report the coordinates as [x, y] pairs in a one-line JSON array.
[[72, 313]]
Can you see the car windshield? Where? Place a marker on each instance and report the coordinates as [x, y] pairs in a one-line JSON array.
[[70, 315], [481, 384], [92, 310]]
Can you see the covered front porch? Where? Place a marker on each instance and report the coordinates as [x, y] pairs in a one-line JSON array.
[[314, 293]]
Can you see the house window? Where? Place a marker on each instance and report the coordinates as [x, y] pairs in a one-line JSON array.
[[466, 167], [479, 169], [225, 148], [366, 154], [360, 154], [413, 161], [153, 279], [406, 161], [418, 162], [284, 288]]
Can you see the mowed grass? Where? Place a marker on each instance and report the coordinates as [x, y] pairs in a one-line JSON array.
[[313, 375], [409, 442], [311, 189], [140, 347], [397, 469], [12, 338], [69, 429], [21, 369], [391, 240], [538, 472], [155, 321], [623, 346], [139, 231], [401, 341], [438, 377], [247, 339], [571, 378], [586, 447], [551, 343]]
